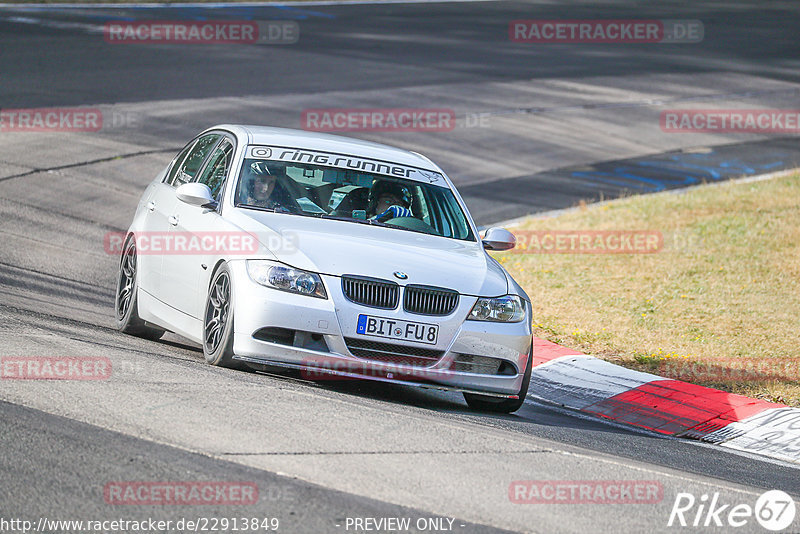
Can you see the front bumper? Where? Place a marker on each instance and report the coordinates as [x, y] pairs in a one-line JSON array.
[[334, 319]]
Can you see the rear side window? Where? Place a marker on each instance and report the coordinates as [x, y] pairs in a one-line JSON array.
[[178, 162], [185, 170], [217, 168]]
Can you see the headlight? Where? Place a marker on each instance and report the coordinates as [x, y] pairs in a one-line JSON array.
[[286, 278], [508, 309]]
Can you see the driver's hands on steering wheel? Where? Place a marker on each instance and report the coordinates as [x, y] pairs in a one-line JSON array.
[[392, 213]]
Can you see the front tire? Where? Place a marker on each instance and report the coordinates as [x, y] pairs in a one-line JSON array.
[[126, 302], [493, 404], [218, 321]]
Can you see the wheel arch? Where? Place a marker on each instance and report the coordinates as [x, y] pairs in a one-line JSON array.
[[220, 263]]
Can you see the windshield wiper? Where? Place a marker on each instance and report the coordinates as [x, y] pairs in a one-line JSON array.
[[372, 222], [344, 218], [260, 208], [279, 209]]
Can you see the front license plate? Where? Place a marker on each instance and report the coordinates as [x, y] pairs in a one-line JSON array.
[[369, 325]]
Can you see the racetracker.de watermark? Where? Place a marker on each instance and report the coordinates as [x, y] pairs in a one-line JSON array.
[[598, 31], [743, 369], [585, 492], [195, 243], [172, 493], [782, 121], [378, 120], [320, 369], [51, 120], [588, 242], [65, 120], [202, 32], [55, 368]]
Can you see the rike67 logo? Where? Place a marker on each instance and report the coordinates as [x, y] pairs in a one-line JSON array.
[[774, 510]]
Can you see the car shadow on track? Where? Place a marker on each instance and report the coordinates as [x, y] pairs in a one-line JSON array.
[[531, 415], [535, 418], [177, 342], [375, 390]]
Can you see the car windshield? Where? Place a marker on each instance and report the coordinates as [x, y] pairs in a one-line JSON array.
[[349, 195]]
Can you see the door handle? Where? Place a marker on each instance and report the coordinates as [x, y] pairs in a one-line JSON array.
[[173, 220], [151, 205]]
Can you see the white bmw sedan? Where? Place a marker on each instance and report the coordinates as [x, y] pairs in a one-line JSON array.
[[337, 257]]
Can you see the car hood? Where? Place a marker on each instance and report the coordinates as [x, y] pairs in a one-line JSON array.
[[341, 247]]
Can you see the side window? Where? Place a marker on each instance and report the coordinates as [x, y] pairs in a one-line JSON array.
[[176, 164], [217, 168], [187, 170], [418, 205]]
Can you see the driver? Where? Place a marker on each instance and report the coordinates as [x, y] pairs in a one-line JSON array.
[[388, 200], [262, 189]]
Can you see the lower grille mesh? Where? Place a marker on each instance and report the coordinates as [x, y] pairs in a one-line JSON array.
[[391, 353]]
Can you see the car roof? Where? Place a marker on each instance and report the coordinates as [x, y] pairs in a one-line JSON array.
[[287, 137]]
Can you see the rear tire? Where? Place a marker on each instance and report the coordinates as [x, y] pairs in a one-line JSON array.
[[493, 404], [126, 302], [218, 322]]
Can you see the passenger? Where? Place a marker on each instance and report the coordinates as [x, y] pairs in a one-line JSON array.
[[388, 200]]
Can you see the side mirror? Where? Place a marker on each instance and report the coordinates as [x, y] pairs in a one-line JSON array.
[[196, 195], [499, 239]]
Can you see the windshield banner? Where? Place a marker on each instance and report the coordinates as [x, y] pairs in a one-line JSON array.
[[344, 161]]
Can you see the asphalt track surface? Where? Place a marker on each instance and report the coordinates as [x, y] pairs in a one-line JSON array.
[[559, 122]]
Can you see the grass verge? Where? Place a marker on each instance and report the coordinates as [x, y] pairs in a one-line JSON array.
[[717, 305]]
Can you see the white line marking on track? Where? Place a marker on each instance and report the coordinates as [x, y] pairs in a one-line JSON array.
[[58, 24]]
